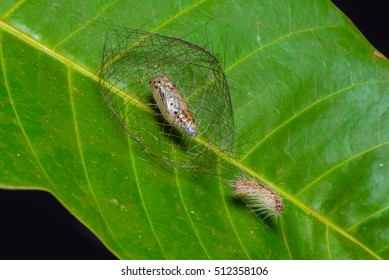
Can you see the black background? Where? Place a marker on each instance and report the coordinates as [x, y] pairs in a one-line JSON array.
[[371, 18], [34, 225]]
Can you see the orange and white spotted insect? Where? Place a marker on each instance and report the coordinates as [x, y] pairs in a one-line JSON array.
[[260, 198], [171, 104]]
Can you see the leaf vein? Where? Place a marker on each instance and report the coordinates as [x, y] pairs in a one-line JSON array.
[[339, 165], [177, 15], [273, 42], [285, 240], [74, 115], [141, 197], [13, 9], [189, 217], [306, 109], [229, 217], [19, 123], [368, 218], [328, 242], [84, 25]]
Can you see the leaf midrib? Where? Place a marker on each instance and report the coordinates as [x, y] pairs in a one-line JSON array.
[[83, 70]]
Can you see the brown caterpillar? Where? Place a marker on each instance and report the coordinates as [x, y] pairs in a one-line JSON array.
[[260, 198]]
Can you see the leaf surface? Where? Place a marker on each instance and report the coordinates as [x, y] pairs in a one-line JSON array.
[[310, 102]]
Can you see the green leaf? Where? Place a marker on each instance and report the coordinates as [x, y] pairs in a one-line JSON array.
[[310, 102]]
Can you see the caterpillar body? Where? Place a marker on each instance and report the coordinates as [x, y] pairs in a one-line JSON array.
[[259, 198], [172, 105]]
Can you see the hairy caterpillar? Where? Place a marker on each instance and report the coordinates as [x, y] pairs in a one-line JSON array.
[[260, 198]]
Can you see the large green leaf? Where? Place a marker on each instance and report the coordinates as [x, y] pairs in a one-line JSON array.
[[311, 113]]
